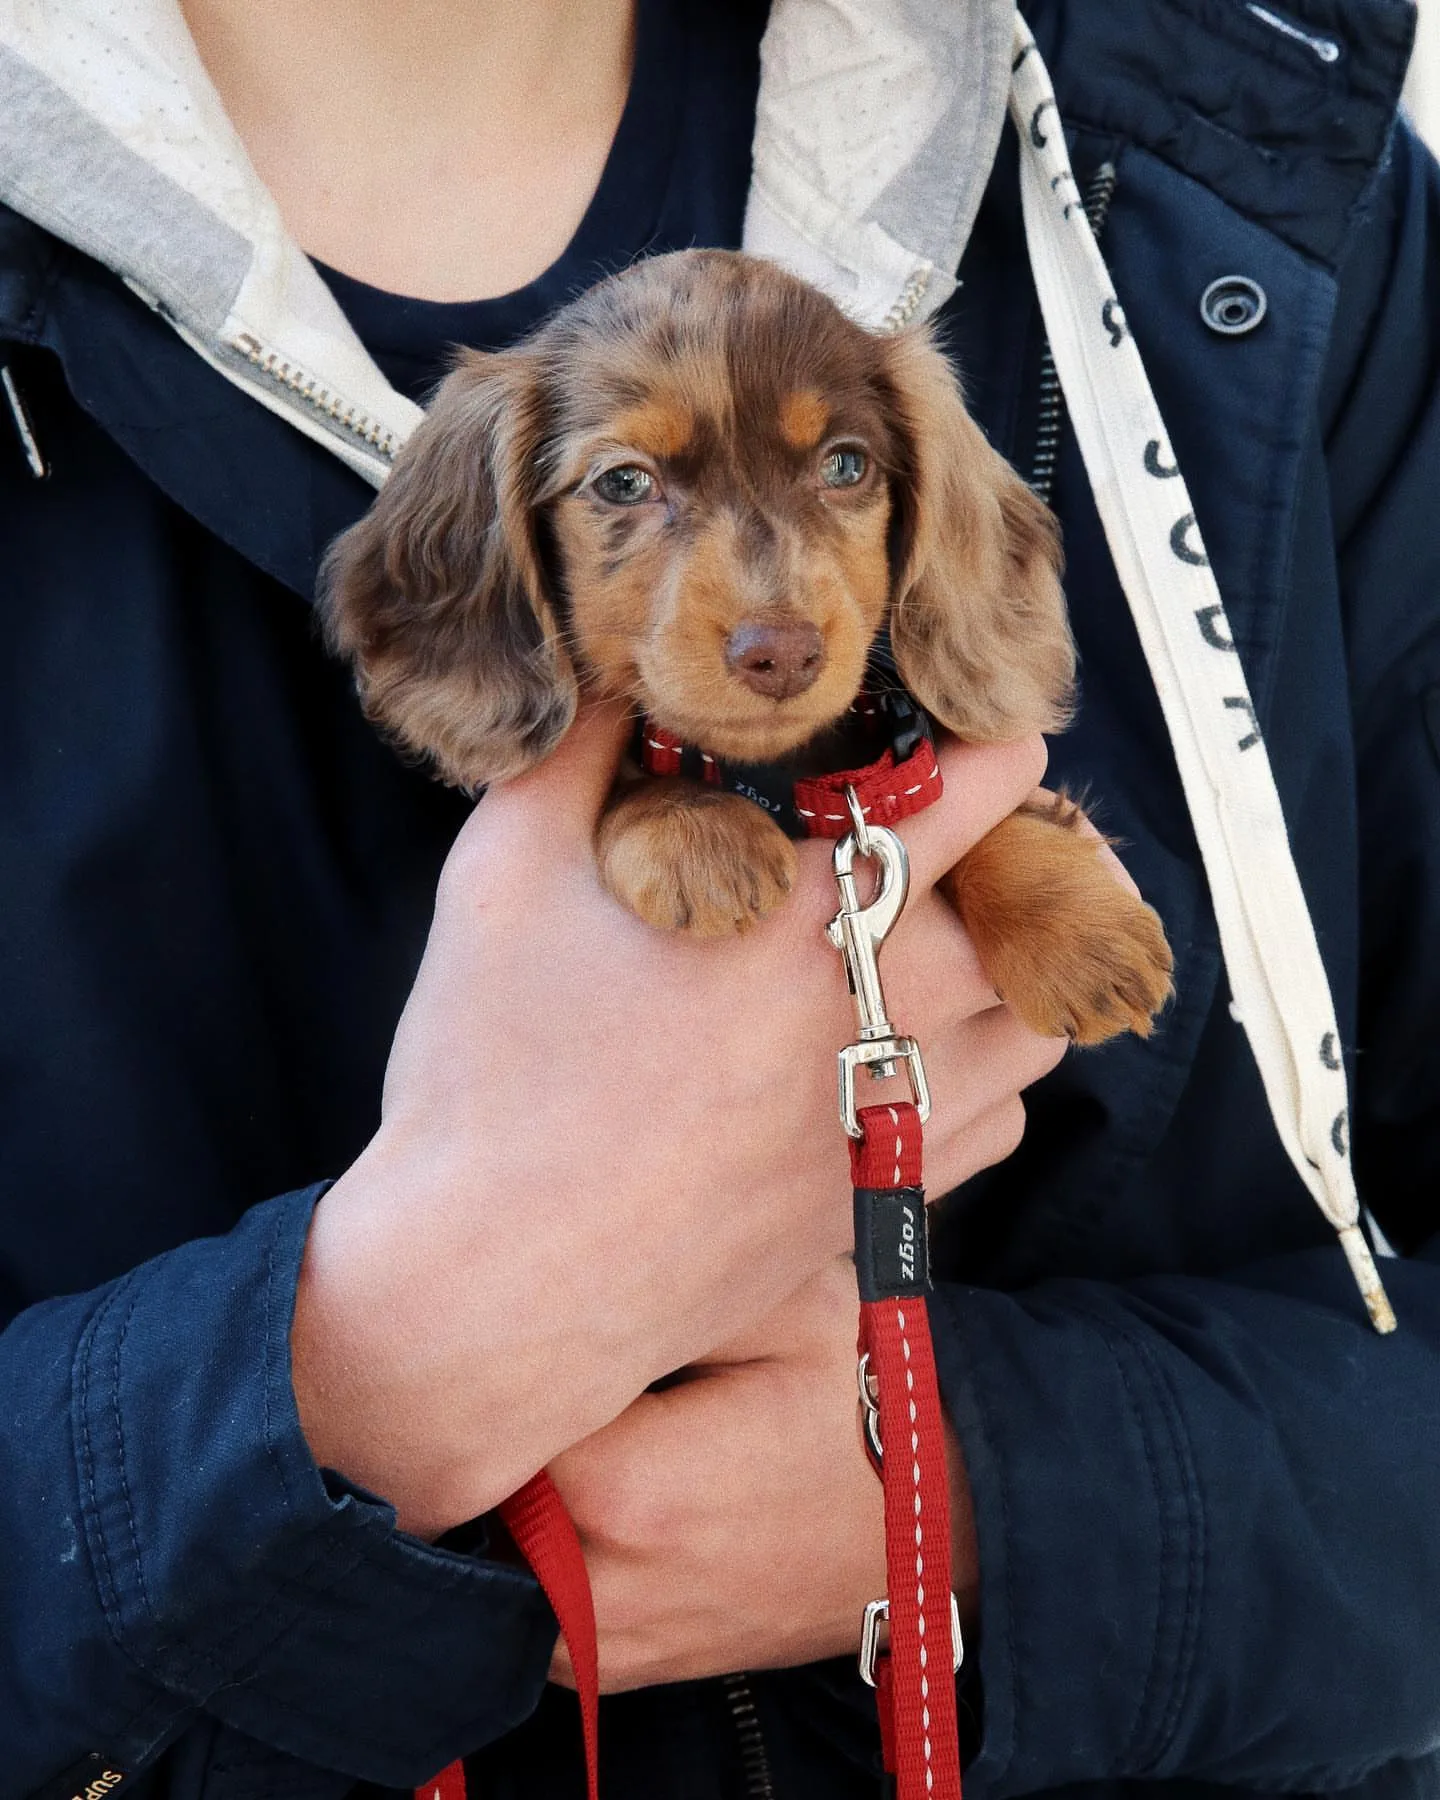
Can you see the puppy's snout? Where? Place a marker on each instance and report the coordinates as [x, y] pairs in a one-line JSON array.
[[777, 661]]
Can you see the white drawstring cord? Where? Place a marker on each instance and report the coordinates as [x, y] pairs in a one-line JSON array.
[[1276, 974]]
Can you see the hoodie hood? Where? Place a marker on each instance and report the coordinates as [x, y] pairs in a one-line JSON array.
[[113, 138], [876, 127]]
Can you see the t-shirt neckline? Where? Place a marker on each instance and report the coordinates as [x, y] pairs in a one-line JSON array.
[[620, 222]]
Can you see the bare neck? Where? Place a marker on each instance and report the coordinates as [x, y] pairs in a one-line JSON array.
[[441, 149]]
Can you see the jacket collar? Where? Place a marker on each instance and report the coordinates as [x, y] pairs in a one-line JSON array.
[[1282, 110]]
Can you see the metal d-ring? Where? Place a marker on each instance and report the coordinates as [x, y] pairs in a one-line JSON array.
[[870, 1410]]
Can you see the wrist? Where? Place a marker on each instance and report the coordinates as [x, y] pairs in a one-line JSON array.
[[347, 1373], [441, 1370]]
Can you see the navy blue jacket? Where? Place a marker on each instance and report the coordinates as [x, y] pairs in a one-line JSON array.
[[1205, 1490]]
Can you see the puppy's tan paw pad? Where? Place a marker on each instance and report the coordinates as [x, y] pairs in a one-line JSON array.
[[1088, 985], [694, 860]]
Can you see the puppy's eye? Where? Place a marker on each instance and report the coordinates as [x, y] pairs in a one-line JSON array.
[[844, 467], [629, 485]]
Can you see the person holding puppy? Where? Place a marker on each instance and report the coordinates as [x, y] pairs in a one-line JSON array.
[[249, 1455]]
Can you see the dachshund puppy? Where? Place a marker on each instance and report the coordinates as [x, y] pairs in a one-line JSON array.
[[702, 488]]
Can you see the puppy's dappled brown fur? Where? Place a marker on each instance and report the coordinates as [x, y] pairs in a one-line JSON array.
[[700, 452]]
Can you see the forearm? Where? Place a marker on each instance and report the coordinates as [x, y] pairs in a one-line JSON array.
[[1206, 1535]]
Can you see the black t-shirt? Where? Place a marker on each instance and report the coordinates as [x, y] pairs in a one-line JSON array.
[[677, 175]]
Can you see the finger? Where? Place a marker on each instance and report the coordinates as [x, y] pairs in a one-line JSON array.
[[985, 1141], [982, 784], [560, 800], [932, 968], [991, 1056], [976, 1078], [804, 1324], [1117, 869]]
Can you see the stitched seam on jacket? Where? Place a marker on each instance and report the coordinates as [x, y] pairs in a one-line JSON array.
[[986, 1419], [1123, 125], [1168, 1722], [105, 1574], [1127, 1761], [192, 1665], [158, 1715], [121, 1463], [271, 1450], [203, 1666], [163, 1645]]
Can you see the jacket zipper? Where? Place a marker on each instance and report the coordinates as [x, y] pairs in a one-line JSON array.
[[756, 1764], [24, 428], [910, 297], [282, 373], [1050, 405], [291, 376]]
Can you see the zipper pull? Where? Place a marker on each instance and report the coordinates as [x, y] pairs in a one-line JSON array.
[[1327, 49], [24, 427]]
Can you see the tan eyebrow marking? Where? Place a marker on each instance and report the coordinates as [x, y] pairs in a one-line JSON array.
[[658, 427], [803, 418]]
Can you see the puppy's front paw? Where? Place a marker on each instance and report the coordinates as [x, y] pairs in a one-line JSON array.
[[1087, 985], [1068, 949], [685, 858]]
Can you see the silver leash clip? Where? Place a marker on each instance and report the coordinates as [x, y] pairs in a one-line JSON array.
[[857, 931]]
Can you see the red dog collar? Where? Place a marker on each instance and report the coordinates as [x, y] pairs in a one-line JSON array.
[[898, 781]]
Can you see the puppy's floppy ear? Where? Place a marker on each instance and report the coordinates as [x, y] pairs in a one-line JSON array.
[[978, 621], [438, 595]]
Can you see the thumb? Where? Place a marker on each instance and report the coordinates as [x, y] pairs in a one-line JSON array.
[[565, 793]]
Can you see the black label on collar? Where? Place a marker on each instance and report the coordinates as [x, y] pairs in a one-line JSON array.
[[892, 1245], [771, 787], [92, 1778]]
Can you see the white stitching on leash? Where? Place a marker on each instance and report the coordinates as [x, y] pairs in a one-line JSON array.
[[919, 1525]]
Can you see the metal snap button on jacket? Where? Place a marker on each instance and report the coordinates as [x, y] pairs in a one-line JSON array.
[[1233, 305]]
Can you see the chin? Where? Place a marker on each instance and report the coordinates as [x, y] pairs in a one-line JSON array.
[[760, 740]]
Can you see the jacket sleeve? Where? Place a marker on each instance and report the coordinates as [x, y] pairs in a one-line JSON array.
[[175, 1562], [1207, 1527], [1206, 1508]]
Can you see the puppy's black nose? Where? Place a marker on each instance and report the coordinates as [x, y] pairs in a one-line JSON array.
[[775, 660]]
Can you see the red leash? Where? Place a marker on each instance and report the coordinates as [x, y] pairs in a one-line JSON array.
[[913, 1673], [915, 1681], [904, 1433], [545, 1536]]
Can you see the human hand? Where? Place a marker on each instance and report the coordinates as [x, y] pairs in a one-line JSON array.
[[606, 1149], [732, 1520]]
